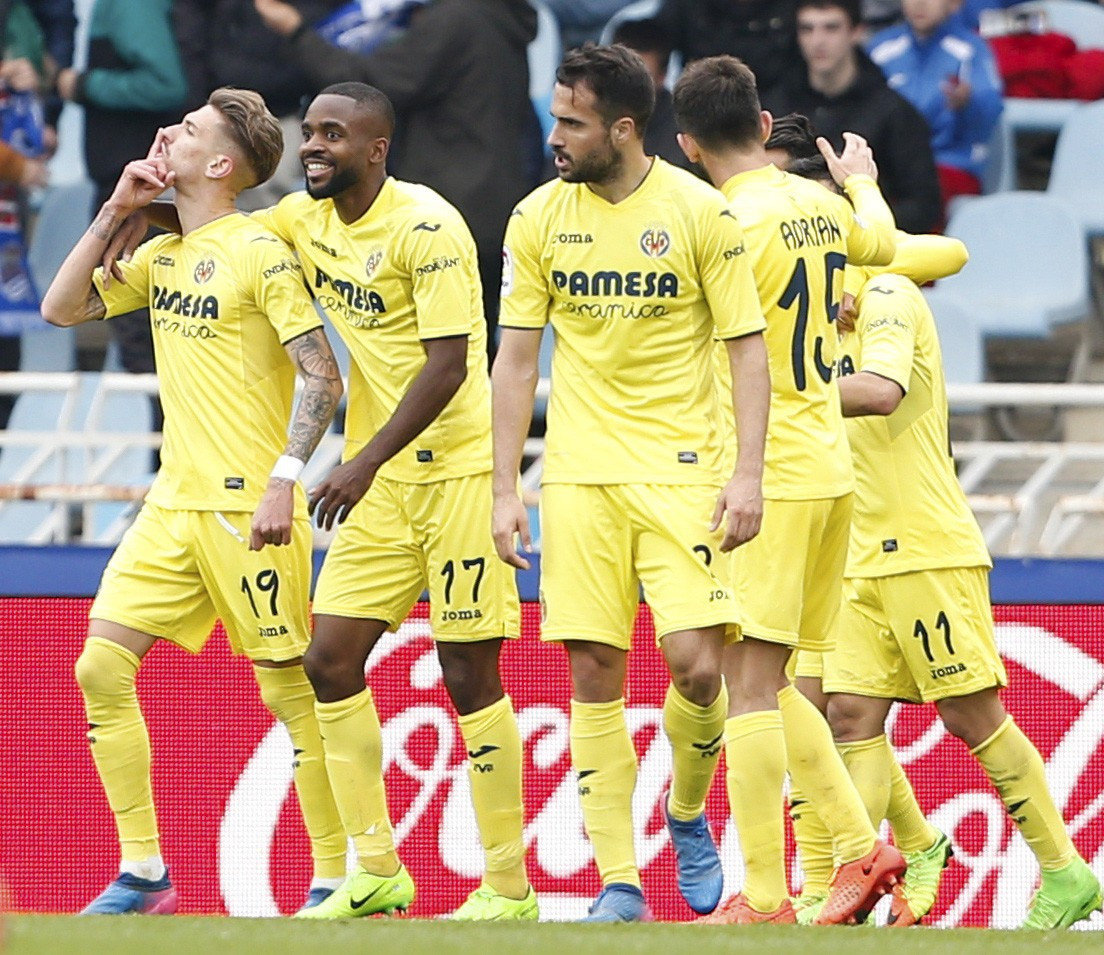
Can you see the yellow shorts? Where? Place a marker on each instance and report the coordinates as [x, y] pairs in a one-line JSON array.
[[917, 637], [788, 578], [404, 538], [806, 663], [174, 572], [601, 543]]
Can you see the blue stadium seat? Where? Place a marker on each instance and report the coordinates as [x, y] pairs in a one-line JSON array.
[[545, 53], [959, 338], [1075, 173], [1028, 268]]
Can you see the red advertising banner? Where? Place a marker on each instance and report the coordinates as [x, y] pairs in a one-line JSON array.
[[234, 842]]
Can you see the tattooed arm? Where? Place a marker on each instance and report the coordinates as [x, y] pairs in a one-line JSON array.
[[71, 298], [315, 362]]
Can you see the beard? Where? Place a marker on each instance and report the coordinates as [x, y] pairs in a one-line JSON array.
[[597, 166], [339, 181]]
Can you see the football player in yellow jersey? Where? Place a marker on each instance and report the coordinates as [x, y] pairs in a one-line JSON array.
[[788, 579], [224, 530], [916, 624], [393, 266], [637, 266]]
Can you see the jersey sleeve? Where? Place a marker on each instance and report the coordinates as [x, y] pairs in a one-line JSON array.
[[526, 298], [133, 293], [276, 219], [276, 280], [926, 258], [871, 240], [727, 279], [887, 329], [440, 254]]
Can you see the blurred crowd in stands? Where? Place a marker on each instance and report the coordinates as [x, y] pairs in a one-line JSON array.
[[916, 77]]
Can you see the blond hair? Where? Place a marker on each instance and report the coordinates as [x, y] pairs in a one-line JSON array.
[[252, 128]]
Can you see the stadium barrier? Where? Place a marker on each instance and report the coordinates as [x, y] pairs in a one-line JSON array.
[[222, 767]]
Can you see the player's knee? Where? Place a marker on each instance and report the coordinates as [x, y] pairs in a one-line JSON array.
[[330, 673], [594, 678], [102, 673], [472, 685], [698, 683], [851, 721]]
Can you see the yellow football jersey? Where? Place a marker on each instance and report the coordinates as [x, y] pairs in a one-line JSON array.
[[223, 300], [635, 293], [404, 272], [800, 236], [910, 511]]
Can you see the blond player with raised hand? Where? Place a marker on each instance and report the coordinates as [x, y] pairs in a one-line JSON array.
[[788, 579], [224, 531], [393, 266], [637, 266]]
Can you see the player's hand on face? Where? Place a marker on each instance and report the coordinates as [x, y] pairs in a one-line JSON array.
[[122, 245], [857, 158], [333, 499], [142, 181], [509, 520], [740, 510], [273, 518]]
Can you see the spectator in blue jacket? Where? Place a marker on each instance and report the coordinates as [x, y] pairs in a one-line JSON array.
[[948, 73]]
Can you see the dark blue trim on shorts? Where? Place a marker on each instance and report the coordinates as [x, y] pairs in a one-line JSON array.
[[57, 571]]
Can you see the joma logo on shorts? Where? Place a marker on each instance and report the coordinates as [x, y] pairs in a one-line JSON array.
[[938, 672], [447, 616], [280, 631]]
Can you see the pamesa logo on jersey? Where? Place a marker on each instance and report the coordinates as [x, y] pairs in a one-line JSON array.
[[204, 271], [655, 242]]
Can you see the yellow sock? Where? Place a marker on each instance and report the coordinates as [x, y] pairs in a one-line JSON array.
[[818, 771], [353, 743], [696, 734], [120, 743], [814, 842], [755, 754], [604, 758], [868, 762], [1015, 768], [494, 771], [287, 693], [911, 830]]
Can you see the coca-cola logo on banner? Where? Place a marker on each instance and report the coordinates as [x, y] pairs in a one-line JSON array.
[[230, 826]]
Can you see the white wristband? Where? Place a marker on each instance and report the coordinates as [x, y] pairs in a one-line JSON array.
[[287, 468]]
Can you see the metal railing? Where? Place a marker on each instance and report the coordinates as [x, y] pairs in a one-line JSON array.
[[1030, 497]]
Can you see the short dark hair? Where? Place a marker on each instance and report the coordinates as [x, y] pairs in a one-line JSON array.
[[853, 8], [252, 128], [645, 36], [810, 167], [368, 98], [717, 103], [794, 134], [618, 79]]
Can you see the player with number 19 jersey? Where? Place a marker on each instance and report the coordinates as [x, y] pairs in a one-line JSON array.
[[800, 238]]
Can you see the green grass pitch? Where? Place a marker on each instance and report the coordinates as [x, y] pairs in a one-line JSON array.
[[123, 935]]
